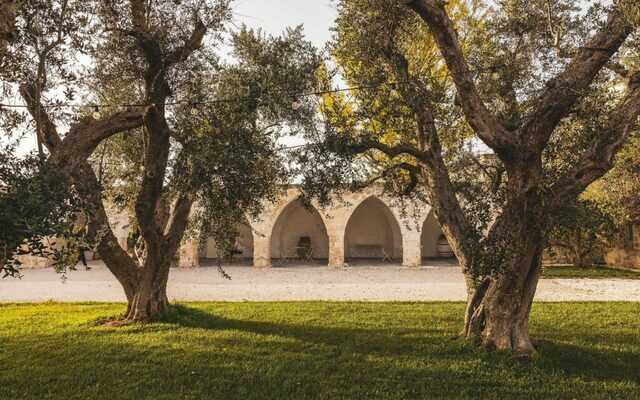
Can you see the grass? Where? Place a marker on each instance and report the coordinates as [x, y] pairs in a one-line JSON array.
[[592, 272], [312, 350]]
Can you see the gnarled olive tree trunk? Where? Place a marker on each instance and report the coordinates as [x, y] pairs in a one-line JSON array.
[[498, 309], [150, 299]]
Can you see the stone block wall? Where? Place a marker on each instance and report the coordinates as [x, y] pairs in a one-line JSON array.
[[357, 223]]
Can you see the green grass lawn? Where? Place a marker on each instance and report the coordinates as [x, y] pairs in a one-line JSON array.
[[593, 272], [312, 350]]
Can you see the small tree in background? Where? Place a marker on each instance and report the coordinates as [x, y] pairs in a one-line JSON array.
[[582, 233], [617, 192]]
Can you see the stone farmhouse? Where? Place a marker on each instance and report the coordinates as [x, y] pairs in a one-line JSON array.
[[364, 226]]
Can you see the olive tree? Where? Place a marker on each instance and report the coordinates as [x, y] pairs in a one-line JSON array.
[[154, 55], [547, 87], [581, 233]]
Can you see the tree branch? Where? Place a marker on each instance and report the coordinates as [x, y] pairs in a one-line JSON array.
[[365, 144], [564, 90], [178, 220], [599, 159], [484, 123], [48, 131], [192, 44], [84, 137], [116, 258]]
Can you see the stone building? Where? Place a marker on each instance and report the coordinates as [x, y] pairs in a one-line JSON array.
[[364, 226], [627, 254]]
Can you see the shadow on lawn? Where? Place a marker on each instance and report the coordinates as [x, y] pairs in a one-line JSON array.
[[195, 352], [364, 341], [571, 360]]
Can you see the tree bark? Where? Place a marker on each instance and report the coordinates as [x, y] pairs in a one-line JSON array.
[[498, 311], [505, 310], [150, 301]]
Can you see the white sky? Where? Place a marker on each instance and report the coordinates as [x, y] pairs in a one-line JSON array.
[[274, 16]]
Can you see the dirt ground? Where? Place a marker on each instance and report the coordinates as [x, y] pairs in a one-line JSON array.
[[440, 281]]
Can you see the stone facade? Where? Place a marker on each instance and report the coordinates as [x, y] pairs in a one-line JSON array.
[[364, 225], [627, 256]]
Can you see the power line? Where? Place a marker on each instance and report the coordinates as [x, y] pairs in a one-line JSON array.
[[293, 96]]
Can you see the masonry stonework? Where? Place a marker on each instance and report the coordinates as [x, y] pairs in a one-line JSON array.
[[363, 225]]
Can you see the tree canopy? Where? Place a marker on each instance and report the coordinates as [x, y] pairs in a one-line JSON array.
[[164, 126], [551, 91]]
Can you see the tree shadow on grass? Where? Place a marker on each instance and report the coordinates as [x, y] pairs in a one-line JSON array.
[[364, 341], [198, 354], [590, 363], [570, 359]]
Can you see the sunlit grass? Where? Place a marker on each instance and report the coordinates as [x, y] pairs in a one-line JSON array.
[[312, 350], [591, 272]]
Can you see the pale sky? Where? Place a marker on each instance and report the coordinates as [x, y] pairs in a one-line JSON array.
[[274, 16]]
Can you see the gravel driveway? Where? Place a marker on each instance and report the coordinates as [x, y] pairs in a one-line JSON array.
[[439, 282]]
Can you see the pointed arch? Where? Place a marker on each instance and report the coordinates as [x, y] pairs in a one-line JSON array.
[[298, 229], [243, 251], [431, 239], [372, 231]]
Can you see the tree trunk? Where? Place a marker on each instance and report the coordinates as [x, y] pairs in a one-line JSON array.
[[498, 312], [150, 301]]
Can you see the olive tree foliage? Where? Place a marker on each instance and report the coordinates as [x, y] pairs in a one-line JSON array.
[[547, 87], [598, 219], [39, 214], [582, 233], [150, 145], [617, 192]]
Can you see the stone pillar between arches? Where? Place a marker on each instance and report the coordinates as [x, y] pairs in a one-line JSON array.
[[262, 251], [411, 249], [336, 249], [189, 255]]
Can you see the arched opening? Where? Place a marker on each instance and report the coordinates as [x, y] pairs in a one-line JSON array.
[[242, 253], [432, 241], [373, 234], [299, 236]]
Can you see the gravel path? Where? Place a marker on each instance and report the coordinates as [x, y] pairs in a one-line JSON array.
[[439, 282]]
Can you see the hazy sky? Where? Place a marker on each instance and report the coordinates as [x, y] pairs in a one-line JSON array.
[[274, 16]]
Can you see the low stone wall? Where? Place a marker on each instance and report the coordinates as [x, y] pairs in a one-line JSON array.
[[623, 258], [33, 262]]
